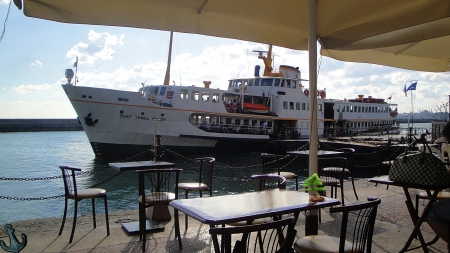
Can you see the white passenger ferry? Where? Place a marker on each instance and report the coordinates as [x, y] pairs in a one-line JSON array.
[[191, 119]]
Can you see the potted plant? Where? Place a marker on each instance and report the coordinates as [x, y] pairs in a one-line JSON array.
[[313, 186]]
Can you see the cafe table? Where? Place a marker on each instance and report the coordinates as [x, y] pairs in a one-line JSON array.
[[224, 209], [152, 225], [417, 220]]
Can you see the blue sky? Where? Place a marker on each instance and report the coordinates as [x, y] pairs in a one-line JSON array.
[[34, 54]]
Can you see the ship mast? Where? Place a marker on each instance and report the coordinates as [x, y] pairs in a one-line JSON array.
[[169, 59]]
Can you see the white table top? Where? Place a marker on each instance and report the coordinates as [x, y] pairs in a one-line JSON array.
[[247, 206], [141, 165]]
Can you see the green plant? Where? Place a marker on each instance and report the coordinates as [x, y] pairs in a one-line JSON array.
[[313, 184]]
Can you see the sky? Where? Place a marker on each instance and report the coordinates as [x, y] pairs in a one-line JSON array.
[[34, 54]]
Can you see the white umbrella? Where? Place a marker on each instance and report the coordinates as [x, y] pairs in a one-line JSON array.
[[410, 34]]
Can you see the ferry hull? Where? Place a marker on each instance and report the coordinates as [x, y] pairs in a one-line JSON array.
[[120, 124]]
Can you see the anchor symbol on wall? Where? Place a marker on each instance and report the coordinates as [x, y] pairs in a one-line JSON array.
[[14, 246], [89, 121]]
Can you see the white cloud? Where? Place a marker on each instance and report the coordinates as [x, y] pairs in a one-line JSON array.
[[100, 47], [28, 88], [37, 62]]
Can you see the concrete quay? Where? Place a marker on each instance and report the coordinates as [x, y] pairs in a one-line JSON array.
[[392, 229]]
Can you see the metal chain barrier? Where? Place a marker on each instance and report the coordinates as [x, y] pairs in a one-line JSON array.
[[78, 174], [186, 162]]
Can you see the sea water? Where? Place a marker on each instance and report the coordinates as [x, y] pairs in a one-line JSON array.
[[29, 170]]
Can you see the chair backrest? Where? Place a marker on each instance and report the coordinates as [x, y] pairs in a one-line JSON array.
[[349, 154], [70, 183], [270, 181], [205, 172], [275, 236], [333, 164], [271, 163], [160, 181], [358, 220]]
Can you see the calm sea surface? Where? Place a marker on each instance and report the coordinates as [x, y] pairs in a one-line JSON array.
[[31, 155]]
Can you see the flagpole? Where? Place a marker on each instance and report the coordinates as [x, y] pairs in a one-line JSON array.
[[412, 109]]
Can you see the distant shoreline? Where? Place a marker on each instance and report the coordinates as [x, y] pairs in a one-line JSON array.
[[39, 125]]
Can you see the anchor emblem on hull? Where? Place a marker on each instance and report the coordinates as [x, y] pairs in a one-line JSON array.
[[89, 121], [14, 246]]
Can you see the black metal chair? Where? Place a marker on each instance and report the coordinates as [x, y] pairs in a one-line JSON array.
[[358, 221], [270, 181], [160, 185], [348, 169], [271, 164], [204, 183], [330, 175], [275, 236], [72, 192]]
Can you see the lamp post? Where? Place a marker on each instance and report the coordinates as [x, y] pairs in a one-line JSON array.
[[156, 142]]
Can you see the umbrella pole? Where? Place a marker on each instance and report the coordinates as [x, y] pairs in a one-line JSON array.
[[311, 221], [312, 48]]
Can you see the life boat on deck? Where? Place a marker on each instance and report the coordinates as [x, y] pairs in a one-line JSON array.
[[393, 113], [255, 108]]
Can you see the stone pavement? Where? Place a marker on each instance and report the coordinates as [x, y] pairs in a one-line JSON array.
[[392, 229]]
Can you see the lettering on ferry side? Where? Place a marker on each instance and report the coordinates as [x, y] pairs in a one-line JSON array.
[[142, 117], [129, 116]]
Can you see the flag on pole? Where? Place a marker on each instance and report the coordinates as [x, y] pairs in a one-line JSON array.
[[75, 65], [389, 98], [412, 86]]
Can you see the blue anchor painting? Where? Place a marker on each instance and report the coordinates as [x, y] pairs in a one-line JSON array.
[[14, 246]]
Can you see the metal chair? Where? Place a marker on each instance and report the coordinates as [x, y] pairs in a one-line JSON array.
[[349, 154], [160, 186], [271, 164], [358, 221], [72, 192], [330, 176], [275, 236], [204, 183], [270, 181]]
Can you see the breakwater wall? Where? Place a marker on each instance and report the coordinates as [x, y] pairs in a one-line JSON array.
[[37, 125]]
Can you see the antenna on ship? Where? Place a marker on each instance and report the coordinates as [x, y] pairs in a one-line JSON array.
[[167, 77], [75, 65]]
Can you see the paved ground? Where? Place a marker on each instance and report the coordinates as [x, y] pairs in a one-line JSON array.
[[393, 227]]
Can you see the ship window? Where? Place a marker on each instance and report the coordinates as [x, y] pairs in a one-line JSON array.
[[268, 82], [288, 83], [285, 105], [162, 91], [155, 90], [257, 82], [320, 107], [343, 108], [294, 84], [245, 122], [351, 108], [250, 82], [279, 81], [215, 97], [237, 122], [291, 105], [303, 106], [297, 106], [348, 109], [337, 108], [205, 96], [195, 95], [230, 84], [227, 120], [308, 106]]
